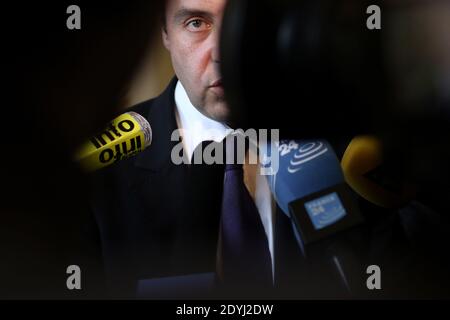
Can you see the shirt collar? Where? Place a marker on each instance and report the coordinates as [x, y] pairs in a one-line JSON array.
[[195, 126]]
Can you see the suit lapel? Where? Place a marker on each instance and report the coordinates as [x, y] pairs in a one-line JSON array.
[[161, 117], [181, 201]]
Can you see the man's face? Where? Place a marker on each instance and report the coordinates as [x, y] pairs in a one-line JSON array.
[[192, 37]]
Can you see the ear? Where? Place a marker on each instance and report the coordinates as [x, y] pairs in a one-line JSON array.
[[165, 37]]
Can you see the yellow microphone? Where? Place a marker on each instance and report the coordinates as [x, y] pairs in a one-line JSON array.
[[125, 136], [364, 170]]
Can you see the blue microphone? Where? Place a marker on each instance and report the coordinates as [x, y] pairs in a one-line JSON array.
[[305, 167], [310, 189]]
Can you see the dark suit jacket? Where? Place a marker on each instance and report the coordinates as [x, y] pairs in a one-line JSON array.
[[156, 219]]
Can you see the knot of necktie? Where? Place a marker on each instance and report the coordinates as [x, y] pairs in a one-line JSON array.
[[233, 167]]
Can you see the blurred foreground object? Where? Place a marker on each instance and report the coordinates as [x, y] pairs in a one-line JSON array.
[[55, 78], [318, 60]]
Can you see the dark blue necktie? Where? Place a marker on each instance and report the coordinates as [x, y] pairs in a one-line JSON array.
[[245, 256]]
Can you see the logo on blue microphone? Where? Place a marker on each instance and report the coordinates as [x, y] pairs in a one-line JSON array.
[[305, 153], [325, 210]]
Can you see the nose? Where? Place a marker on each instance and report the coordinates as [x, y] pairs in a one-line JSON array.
[[215, 54], [215, 50]]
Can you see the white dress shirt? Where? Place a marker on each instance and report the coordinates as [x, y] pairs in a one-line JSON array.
[[196, 128]]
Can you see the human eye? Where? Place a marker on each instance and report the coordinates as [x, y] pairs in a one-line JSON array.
[[197, 25]]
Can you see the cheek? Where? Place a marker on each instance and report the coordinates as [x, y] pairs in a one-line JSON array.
[[185, 69], [191, 59]]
